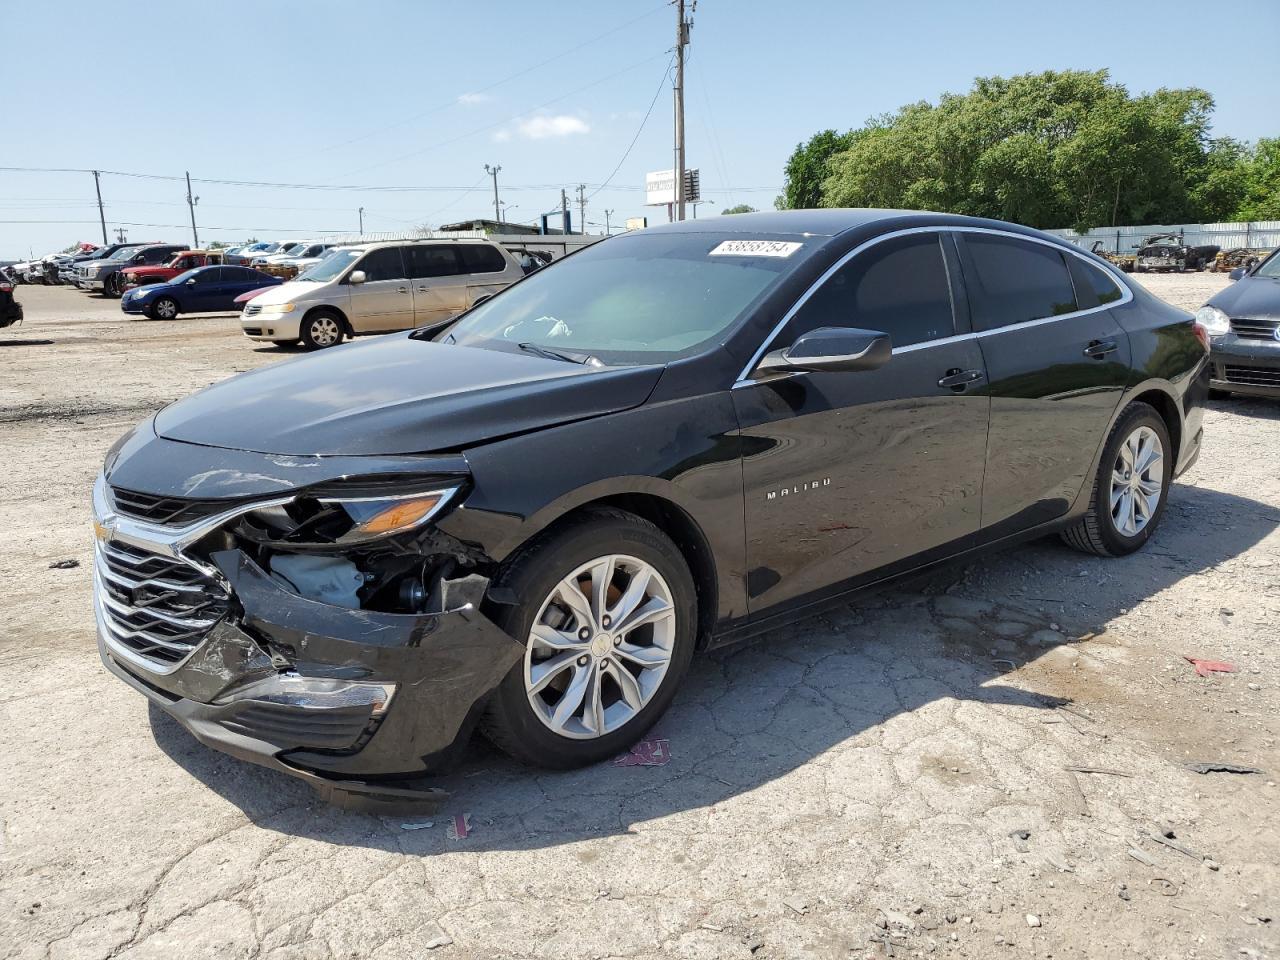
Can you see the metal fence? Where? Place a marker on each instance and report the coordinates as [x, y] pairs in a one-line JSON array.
[[555, 244], [1256, 235]]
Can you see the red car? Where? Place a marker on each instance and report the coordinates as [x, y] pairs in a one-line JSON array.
[[163, 273]]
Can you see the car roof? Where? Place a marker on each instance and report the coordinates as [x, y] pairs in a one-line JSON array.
[[867, 221]]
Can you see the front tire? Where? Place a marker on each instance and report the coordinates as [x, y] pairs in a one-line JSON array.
[[609, 620], [1131, 488], [164, 308], [321, 329]]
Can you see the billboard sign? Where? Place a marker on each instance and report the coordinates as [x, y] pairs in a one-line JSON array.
[[659, 187]]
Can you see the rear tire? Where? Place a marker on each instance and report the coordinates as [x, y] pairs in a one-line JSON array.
[[1130, 491], [321, 329], [621, 566]]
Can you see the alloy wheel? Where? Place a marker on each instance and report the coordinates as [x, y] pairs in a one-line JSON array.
[[166, 309], [1137, 481], [600, 647], [324, 331]]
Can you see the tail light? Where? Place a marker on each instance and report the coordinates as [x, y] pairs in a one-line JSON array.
[[6, 287]]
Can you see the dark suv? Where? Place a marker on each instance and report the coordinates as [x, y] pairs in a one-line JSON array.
[[10, 309], [531, 518]]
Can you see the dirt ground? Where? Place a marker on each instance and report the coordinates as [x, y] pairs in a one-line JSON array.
[[892, 778]]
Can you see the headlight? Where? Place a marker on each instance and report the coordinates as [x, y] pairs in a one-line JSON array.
[[1214, 321], [278, 307], [352, 519]]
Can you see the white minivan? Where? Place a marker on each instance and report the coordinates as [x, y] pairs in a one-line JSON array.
[[378, 288]]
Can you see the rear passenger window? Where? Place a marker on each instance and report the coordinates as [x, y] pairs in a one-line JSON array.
[[898, 287], [434, 260], [480, 258], [1094, 286], [1013, 281], [385, 264]]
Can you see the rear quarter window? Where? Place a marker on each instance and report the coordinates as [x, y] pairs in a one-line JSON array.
[[1094, 286], [480, 258]]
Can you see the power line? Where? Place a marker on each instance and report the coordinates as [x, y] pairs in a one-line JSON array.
[[626, 153], [497, 83]]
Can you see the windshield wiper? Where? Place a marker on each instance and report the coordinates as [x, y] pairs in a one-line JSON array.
[[557, 355]]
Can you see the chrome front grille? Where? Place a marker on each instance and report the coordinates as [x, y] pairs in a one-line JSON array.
[[168, 511], [155, 607], [1255, 329], [252, 309]]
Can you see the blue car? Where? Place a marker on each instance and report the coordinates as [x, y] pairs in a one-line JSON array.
[[202, 290]]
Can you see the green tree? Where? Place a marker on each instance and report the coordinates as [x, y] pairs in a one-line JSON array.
[[806, 170], [1261, 175], [1052, 149], [740, 208]]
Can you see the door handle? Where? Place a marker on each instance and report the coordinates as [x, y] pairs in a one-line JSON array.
[[402, 289], [1097, 349], [958, 379]]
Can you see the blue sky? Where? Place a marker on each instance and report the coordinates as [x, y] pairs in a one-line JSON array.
[[383, 93]]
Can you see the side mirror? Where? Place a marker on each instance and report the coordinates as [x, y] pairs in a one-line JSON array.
[[830, 349], [1237, 273], [357, 276], [191, 282]]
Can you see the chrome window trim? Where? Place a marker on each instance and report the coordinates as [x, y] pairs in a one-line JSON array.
[[1126, 294]]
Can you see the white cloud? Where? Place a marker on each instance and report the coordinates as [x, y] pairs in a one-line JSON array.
[[471, 99], [501, 136], [561, 125]]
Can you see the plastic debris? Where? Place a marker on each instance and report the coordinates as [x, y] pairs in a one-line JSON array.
[[438, 942], [1033, 920], [1104, 770], [1171, 841], [1141, 857], [424, 825], [646, 753], [460, 827], [1206, 668], [1212, 766], [64, 564]]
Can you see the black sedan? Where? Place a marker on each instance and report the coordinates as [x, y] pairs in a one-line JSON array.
[[1244, 329], [673, 439]]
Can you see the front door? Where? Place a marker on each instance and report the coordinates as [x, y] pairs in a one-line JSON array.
[[1058, 363], [851, 475], [206, 293], [385, 300]]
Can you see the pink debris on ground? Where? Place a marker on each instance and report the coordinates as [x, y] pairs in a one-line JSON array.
[[1207, 668], [460, 826], [646, 753]]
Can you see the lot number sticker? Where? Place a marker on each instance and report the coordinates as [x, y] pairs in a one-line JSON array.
[[756, 248]]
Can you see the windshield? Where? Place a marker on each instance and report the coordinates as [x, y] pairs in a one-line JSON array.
[[292, 249], [1270, 267], [635, 299], [124, 253], [184, 277], [331, 266]]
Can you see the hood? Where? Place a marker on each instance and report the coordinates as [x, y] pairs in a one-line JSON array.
[[291, 290], [396, 395], [150, 270], [1250, 298]]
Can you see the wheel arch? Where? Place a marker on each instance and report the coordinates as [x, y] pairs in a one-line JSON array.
[[1165, 405], [328, 308], [662, 511]]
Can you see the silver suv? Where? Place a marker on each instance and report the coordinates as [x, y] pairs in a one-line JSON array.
[[380, 287]]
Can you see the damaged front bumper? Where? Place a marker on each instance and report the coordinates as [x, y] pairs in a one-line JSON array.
[[323, 692]]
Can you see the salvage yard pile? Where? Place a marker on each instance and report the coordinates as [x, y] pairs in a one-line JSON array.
[[1034, 754]]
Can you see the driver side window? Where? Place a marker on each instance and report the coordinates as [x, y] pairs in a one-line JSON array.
[[898, 287]]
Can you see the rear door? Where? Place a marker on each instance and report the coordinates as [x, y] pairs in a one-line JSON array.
[[487, 270], [851, 475], [1058, 363], [384, 301]]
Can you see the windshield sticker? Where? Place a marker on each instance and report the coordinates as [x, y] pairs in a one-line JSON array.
[[756, 248]]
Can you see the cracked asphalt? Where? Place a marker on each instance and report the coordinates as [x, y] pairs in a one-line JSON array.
[[890, 778]]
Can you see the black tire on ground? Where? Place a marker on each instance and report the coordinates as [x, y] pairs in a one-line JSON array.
[[510, 721], [111, 287], [164, 308], [1096, 531], [317, 329]]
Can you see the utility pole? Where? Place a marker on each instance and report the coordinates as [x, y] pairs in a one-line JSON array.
[[607, 215], [497, 209], [683, 25], [119, 234], [582, 208], [564, 211], [191, 205], [360, 214], [102, 217]]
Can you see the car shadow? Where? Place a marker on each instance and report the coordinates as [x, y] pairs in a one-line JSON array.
[[750, 713], [1260, 408]]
